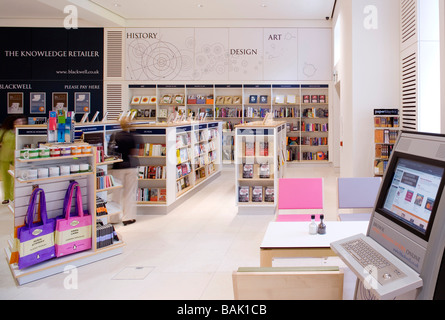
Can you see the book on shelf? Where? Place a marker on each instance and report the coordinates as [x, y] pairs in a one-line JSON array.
[[154, 194], [247, 171], [182, 155], [151, 195], [145, 100], [249, 148], [269, 193], [263, 148], [105, 235], [166, 99], [264, 98], [291, 99], [162, 196], [264, 171], [306, 98], [101, 207], [135, 100], [257, 194], [253, 98], [279, 99], [244, 194], [182, 183]]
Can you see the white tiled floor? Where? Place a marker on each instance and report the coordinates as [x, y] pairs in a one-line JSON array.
[[189, 253]]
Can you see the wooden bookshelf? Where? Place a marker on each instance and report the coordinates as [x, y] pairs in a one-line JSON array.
[[386, 131]]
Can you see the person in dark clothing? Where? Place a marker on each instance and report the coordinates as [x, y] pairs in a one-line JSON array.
[[126, 171]]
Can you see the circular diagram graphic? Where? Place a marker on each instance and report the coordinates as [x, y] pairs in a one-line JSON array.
[[161, 60]]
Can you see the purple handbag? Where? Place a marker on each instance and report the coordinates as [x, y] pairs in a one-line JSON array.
[[36, 240]]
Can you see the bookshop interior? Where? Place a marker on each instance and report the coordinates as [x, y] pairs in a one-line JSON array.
[[228, 150]]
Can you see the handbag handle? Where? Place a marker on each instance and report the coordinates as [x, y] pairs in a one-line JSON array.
[[42, 203], [68, 195], [74, 186]]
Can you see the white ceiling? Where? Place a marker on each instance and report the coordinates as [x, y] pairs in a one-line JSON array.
[[120, 12]]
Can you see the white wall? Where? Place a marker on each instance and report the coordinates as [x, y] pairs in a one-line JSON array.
[[368, 71], [442, 62]]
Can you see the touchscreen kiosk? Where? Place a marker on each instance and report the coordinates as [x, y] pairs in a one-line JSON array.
[[408, 220]]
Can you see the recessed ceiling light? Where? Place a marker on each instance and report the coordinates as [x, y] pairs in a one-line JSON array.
[[264, 5], [200, 5], [117, 5]]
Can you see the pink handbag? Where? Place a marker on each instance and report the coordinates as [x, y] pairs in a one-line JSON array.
[[73, 232]]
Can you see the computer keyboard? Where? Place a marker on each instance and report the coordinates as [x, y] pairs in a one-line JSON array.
[[372, 261]]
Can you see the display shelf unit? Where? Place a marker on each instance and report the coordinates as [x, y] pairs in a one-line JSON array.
[[259, 163], [144, 101], [55, 189], [314, 126], [386, 131], [305, 108], [190, 157]]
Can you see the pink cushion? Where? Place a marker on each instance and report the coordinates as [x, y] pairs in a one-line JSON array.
[[300, 193]]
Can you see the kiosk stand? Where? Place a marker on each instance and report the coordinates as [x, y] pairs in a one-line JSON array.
[[407, 227]]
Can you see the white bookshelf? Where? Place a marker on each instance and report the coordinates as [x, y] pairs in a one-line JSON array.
[[259, 164]]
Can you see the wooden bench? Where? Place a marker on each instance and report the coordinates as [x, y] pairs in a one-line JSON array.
[[288, 283]]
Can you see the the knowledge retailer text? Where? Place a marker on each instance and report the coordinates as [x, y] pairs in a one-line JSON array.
[[223, 309]]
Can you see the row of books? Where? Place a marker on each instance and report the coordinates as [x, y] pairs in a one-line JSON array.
[[151, 195], [182, 183], [151, 149], [203, 148], [183, 154], [105, 235], [319, 155], [263, 170], [144, 100], [286, 112], [383, 151], [385, 136], [146, 113], [253, 98], [221, 112], [392, 122], [307, 127], [183, 139], [183, 169], [316, 112], [252, 112], [314, 98], [293, 154], [200, 99], [152, 172], [256, 194], [314, 127], [103, 182], [257, 148], [307, 141]]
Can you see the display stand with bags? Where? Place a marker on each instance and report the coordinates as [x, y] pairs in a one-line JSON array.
[[36, 240], [73, 232]]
